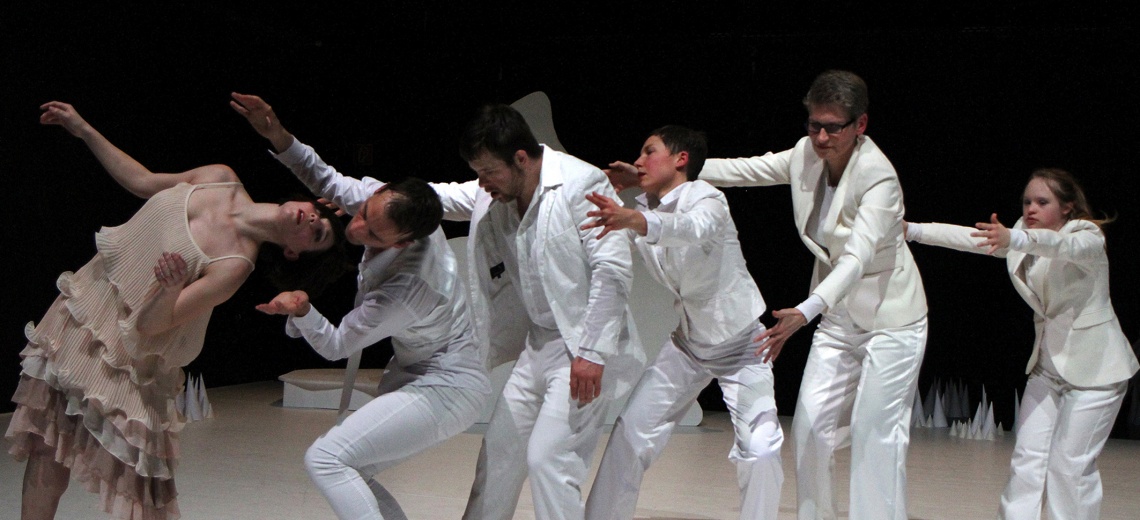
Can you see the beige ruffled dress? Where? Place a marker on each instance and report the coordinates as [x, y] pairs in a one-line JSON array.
[[99, 394]]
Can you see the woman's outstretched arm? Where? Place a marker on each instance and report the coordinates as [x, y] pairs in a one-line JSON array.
[[131, 175]]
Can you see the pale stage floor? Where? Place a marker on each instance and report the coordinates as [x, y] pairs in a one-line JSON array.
[[246, 464]]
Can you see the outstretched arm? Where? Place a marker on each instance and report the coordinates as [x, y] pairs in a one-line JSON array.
[[346, 193], [962, 238], [612, 216], [622, 175], [131, 175], [263, 120], [765, 170], [384, 311], [996, 235]]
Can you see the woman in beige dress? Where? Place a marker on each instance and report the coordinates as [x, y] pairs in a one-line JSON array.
[[101, 370]]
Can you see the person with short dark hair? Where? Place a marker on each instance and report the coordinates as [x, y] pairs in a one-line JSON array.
[[408, 289], [1081, 360], [865, 356], [101, 371], [541, 285], [685, 234]]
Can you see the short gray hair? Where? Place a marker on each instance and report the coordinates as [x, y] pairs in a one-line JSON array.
[[839, 88]]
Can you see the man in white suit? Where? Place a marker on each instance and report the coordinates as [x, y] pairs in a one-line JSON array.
[[408, 289], [529, 263], [685, 234], [862, 370]]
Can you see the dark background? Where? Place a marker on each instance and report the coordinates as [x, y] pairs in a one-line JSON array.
[[966, 100]]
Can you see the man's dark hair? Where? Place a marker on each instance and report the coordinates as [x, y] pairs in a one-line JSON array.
[[680, 139], [414, 208], [500, 130]]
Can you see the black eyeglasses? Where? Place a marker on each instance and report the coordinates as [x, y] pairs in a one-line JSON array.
[[813, 127]]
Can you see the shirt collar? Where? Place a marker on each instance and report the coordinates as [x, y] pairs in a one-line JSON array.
[[668, 202], [550, 176]]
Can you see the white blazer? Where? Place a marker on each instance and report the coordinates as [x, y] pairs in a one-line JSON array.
[[581, 275], [1072, 313], [697, 257], [863, 263]]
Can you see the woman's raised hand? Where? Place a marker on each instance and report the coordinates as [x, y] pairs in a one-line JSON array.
[[63, 114]]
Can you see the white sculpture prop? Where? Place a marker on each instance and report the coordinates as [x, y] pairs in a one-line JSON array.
[[947, 406], [192, 402]]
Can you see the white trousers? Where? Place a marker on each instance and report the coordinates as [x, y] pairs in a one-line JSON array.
[[1062, 431], [858, 389], [536, 427], [666, 390], [381, 434]]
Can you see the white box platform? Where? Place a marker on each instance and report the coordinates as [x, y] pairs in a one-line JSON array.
[[321, 387]]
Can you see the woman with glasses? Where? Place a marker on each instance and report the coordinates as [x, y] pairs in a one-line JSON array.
[[863, 365], [101, 370], [1081, 361]]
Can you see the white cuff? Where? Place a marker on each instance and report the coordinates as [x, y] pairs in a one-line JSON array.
[[812, 306], [310, 321], [913, 232], [1018, 239], [652, 226], [591, 356]]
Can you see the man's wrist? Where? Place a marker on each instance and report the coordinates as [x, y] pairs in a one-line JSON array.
[[281, 141]]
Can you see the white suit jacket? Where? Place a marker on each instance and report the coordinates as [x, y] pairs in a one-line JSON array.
[[698, 258], [864, 263], [585, 279], [1072, 313]]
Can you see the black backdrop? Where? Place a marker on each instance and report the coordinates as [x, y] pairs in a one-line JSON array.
[[965, 100]]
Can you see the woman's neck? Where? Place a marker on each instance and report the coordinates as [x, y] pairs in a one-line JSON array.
[[258, 222]]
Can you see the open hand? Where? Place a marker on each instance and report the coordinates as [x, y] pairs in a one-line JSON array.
[[288, 302], [262, 118], [772, 340], [996, 235], [611, 216], [622, 175]]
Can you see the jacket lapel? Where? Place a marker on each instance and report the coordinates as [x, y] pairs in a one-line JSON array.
[[805, 205], [1018, 272]]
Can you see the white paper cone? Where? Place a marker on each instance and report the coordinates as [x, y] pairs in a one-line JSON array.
[[965, 401], [939, 415], [916, 413], [203, 400], [928, 404], [193, 407]]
